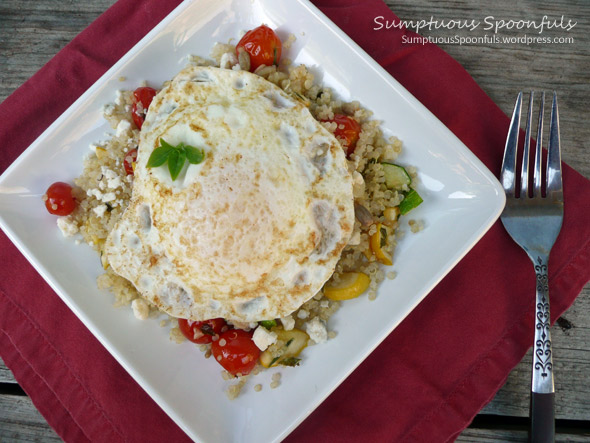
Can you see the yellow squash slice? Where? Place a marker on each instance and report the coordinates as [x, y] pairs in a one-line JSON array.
[[350, 285], [378, 241]]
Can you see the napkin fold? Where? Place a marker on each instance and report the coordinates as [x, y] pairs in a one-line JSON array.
[[425, 382]]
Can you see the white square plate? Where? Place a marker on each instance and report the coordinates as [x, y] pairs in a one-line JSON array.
[[462, 200]]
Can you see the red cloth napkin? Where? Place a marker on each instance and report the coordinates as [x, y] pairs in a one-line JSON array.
[[428, 378]]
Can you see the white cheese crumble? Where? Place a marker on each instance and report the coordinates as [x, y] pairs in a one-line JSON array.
[[302, 314], [113, 180], [108, 109], [123, 127], [228, 60], [355, 239], [358, 184], [141, 310], [288, 322], [109, 197], [100, 210], [263, 338], [316, 330], [246, 326], [120, 99], [95, 192], [67, 226]]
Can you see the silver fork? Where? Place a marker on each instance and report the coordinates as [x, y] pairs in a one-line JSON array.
[[534, 221]]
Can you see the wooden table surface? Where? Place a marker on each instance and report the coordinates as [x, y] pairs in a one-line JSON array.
[[32, 31]]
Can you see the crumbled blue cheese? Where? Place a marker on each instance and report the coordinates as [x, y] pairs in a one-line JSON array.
[[228, 60], [246, 326], [288, 322], [123, 127], [67, 226], [94, 192], [120, 98], [106, 197], [303, 314], [108, 109], [355, 238], [316, 329], [112, 179], [263, 338], [100, 210], [141, 310], [109, 197], [358, 184]]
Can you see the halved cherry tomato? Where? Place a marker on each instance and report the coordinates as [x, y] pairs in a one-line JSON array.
[[129, 160], [236, 351], [143, 98], [59, 199], [263, 45], [347, 132], [201, 332]]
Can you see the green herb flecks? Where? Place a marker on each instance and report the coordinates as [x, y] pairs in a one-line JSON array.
[[290, 361], [207, 329], [176, 156], [383, 239], [268, 324]]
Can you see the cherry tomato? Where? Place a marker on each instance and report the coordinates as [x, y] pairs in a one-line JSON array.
[[236, 351], [130, 158], [263, 45], [59, 199], [201, 332], [143, 98], [348, 134]]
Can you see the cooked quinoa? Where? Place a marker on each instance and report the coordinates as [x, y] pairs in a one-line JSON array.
[[104, 191]]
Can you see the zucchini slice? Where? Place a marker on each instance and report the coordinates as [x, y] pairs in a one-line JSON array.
[[410, 201], [396, 176], [289, 345]]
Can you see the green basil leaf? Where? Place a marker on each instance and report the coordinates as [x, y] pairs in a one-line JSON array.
[[193, 155], [165, 144], [176, 161], [159, 155]]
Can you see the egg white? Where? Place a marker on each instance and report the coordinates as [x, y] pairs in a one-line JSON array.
[[254, 230]]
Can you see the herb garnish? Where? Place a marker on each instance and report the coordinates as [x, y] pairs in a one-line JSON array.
[[176, 156], [207, 329]]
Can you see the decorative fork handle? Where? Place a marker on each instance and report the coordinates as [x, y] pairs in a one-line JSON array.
[[543, 390]]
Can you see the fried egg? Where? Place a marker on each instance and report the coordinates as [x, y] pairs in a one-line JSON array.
[[254, 230]]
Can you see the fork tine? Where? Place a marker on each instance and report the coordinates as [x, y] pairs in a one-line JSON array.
[[508, 177], [524, 176], [554, 184], [538, 152]]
